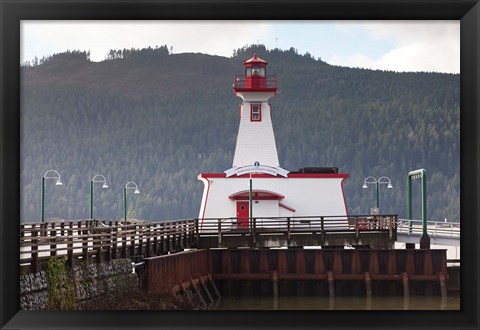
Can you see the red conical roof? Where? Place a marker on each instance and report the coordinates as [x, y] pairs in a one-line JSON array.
[[255, 59]]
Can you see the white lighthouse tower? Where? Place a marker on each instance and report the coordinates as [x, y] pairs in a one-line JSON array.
[[256, 141], [275, 192]]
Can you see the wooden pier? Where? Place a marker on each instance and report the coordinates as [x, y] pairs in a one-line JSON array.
[[266, 256], [104, 240]]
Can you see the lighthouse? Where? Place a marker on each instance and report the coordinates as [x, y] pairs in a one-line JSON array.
[[255, 141], [256, 185]]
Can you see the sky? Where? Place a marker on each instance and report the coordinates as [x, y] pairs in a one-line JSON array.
[[402, 46]]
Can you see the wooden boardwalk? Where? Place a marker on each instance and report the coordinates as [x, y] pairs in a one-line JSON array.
[[105, 240]]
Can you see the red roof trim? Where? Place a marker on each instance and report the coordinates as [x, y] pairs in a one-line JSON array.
[[257, 195], [255, 59], [286, 207], [290, 176], [323, 175]]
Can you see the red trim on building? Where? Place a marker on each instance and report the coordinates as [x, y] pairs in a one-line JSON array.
[[257, 195], [290, 176], [286, 207], [259, 112], [212, 175], [323, 175]]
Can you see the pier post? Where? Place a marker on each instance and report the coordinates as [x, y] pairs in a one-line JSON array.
[[368, 284], [212, 283], [185, 293], [34, 249], [114, 227], [197, 291], [205, 288], [331, 289], [406, 292], [443, 287], [85, 239], [70, 245], [275, 287], [53, 246]]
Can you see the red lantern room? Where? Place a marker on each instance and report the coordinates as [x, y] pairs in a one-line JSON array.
[[255, 78]]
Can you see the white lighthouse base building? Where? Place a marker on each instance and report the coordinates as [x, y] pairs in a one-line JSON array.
[[297, 195]]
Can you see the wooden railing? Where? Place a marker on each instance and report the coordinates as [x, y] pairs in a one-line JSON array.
[[320, 225], [105, 240]]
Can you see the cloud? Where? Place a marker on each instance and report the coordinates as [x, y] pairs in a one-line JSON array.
[[40, 38], [417, 46], [384, 45]]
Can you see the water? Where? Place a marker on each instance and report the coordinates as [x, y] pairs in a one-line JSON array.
[[452, 302]]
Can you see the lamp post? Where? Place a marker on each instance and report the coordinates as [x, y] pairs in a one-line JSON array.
[[381, 180], [47, 176], [128, 186], [419, 174], [256, 164], [100, 179]]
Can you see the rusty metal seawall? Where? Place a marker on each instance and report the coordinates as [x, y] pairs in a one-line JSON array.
[[322, 265], [164, 272]]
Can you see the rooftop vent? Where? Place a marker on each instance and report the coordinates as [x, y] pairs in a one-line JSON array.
[[318, 170]]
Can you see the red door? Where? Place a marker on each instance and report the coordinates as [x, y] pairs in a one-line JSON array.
[[242, 214]]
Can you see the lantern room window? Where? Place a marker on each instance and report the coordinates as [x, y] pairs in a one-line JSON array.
[[255, 112], [255, 71]]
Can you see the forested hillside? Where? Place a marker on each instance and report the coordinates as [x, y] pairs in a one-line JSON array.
[[160, 119]]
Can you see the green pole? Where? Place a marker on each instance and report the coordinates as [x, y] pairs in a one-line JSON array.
[[251, 206], [378, 199], [43, 199], [424, 202], [410, 214], [125, 204], [425, 239], [91, 199]]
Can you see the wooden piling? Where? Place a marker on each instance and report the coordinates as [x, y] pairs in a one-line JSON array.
[[212, 283], [263, 265], [53, 245], [373, 266], [300, 265], [275, 286], [391, 263], [337, 264], [331, 290], [443, 286], [205, 289], [368, 284], [70, 245], [185, 292], [427, 263], [406, 292], [318, 263], [197, 291]]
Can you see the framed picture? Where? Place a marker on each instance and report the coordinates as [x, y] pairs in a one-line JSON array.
[[13, 13]]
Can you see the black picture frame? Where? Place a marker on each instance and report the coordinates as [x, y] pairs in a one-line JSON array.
[[12, 12]]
